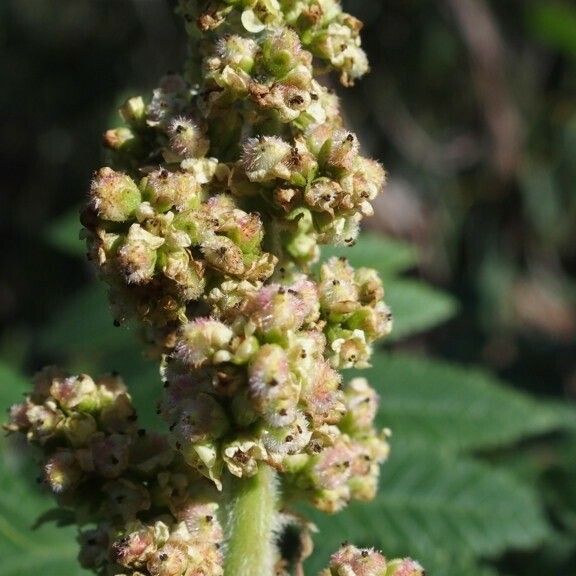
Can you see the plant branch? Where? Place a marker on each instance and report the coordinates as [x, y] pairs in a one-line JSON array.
[[250, 530]]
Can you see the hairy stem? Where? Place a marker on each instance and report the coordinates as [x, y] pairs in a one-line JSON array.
[[251, 515]]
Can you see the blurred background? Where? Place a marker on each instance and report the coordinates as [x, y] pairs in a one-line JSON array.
[[471, 106]]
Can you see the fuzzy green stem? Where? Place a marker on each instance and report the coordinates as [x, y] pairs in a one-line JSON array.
[[250, 531]]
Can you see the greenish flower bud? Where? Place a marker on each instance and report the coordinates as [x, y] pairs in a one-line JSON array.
[[338, 290], [272, 385], [202, 339], [44, 422], [352, 561], [133, 111], [343, 153], [322, 395], [170, 560], [168, 190], [333, 466], [137, 256], [275, 309], [224, 255], [75, 393], [203, 457], [282, 51], [361, 404], [62, 472], [351, 351], [237, 51], [200, 419], [324, 195], [186, 273], [265, 159], [134, 548], [370, 289], [244, 229], [404, 567], [201, 520], [289, 439], [121, 140], [339, 43], [114, 196], [186, 139], [79, 428], [241, 456]]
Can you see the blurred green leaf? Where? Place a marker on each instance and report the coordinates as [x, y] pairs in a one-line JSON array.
[[416, 307], [12, 385], [63, 234], [84, 324], [437, 404], [554, 23], [389, 257], [442, 510], [24, 551]]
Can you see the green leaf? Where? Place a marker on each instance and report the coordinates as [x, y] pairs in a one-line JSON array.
[[416, 307], [12, 385], [84, 324], [63, 233], [389, 257], [442, 510], [554, 23], [47, 550], [433, 403]]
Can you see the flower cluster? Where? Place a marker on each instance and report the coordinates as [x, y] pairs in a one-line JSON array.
[[352, 561], [130, 490], [159, 244], [206, 228], [257, 382], [331, 35]]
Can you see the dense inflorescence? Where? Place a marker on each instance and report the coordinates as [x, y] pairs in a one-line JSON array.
[[141, 509], [206, 227]]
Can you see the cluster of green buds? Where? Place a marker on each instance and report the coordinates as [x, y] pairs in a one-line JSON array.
[[131, 491], [206, 227], [161, 243], [352, 561], [331, 35]]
